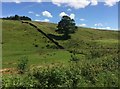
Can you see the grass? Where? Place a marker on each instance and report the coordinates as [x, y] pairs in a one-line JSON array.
[[97, 51], [21, 39]]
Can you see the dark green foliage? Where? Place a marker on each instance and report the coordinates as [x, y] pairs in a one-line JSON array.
[[51, 46], [73, 76], [16, 17], [94, 54], [66, 26], [22, 65], [25, 18], [89, 73], [36, 45], [74, 57], [19, 82], [50, 77]]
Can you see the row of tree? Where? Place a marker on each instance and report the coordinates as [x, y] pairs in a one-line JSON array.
[[16, 17]]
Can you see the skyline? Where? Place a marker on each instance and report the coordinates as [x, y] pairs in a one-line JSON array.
[[91, 15]]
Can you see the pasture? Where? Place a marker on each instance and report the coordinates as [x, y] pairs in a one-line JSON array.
[[98, 48]]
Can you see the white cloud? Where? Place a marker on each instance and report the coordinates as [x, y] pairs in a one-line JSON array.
[[71, 3], [30, 12], [17, 1], [56, 2], [39, 0], [72, 16], [45, 20], [63, 14], [47, 14], [94, 2], [83, 25], [105, 28], [98, 25], [108, 27], [75, 4], [101, 26], [37, 20], [37, 15], [110, 2], [82, 19], [69, 9], [79, 4]]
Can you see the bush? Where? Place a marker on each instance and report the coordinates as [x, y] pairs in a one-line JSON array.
[[103, 73], [18, 82], [74, 58], [49, 77], [22, 65]]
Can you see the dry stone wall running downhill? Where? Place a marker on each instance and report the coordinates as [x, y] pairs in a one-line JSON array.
[[39, 30]]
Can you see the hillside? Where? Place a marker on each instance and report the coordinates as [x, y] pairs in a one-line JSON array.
[[23, 40], [89, 58]]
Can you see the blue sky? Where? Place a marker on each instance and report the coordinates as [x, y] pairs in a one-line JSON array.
[[101, 15]]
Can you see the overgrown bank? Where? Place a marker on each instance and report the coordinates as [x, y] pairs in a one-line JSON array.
[[77, 74]]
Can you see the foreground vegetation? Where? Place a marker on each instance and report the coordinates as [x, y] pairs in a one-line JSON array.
[[90, 58], [102, 73]]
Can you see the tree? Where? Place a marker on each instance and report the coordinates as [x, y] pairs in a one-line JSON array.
[[66, 26], [17, 17]]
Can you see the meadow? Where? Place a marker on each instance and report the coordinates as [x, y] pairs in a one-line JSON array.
[[96, 51]]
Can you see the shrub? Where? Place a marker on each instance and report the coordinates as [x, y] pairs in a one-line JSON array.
[[74, 58], [18, 82], [49, 77], [22, 65], [102, 73]]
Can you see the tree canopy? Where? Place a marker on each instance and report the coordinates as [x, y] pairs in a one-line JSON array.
[[66, 26], [16, 17]]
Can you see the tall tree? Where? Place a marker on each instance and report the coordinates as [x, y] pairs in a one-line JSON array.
[[66, 26]]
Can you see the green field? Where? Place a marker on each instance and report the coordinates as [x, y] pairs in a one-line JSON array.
[[93, 47], [20, 39]]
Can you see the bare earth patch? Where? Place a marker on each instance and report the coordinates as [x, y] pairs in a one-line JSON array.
[[8, 70]]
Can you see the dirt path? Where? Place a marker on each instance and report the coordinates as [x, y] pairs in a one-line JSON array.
[[39, 30], [7, 70]]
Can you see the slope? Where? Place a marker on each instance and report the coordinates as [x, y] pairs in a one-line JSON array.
[[23, 40]]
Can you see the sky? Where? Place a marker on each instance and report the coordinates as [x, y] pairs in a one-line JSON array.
[[100, 14]]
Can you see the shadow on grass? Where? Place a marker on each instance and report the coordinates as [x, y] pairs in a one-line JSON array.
[[63, 37]]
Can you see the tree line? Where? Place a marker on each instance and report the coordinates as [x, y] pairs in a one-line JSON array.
[[17, 17]]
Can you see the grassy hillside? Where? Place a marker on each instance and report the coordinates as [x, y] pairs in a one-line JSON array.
[[97, 51], [23, 40]]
